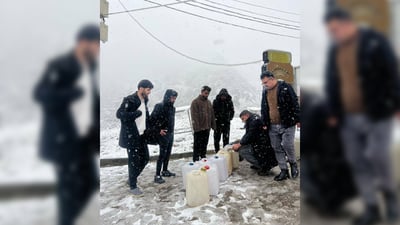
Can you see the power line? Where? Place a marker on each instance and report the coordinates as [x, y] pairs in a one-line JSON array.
[[226, 23], [256, 19], [178, 52], [260, 6], [255, 13], [146, 8]]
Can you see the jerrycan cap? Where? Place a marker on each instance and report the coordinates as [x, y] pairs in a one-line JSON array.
[[205, 168]]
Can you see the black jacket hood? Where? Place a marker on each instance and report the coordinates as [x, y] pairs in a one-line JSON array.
[[168, 94], [225, 93]]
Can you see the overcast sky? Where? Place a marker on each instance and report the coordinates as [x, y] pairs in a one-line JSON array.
[[33, 33], [130, 54]]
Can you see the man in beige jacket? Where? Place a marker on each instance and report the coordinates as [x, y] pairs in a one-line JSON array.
[[202, 115]]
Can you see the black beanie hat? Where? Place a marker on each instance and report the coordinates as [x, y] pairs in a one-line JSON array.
[[336, 13], [90, 32]]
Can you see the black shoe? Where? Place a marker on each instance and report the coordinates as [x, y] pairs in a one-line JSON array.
[[392, 207], [282, 176], [293, 170], [254, 167], [369, 217], [240, 158], [264, 172], [166, 173], [158, 180]]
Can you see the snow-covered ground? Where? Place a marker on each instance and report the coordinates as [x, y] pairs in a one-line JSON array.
[[42, 211], [19, 158], [245, 198]]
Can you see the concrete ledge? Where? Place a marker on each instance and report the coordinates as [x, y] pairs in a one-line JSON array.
[[124, 161], [12, 191], [110, 162]]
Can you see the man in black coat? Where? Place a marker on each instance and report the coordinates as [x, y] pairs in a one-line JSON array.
[[255, 145], [65, 141], [134, 116], [224, 112], [163, 122], [280, 113], [363, 93]]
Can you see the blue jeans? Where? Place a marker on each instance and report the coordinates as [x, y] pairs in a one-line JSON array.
[[247, 152], [282, 140], [367, 149]]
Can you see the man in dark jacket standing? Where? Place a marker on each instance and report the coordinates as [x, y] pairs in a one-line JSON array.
[[254, 145], [280, 113], [134, 116], [363, 93], [202, 116], [162, 120], [224, 112], [65, 140]]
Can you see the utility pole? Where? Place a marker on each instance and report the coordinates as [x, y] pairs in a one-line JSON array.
[[103, 26]]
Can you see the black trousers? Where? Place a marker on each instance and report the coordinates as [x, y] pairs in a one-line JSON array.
[[200, 144], [223, 129], [166, 143], [137, 160], [77, 180]]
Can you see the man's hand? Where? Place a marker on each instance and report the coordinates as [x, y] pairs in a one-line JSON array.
[[163, 132], [265, 127], [332, 121], [137, 114], [298, 125], [236, 147], [398, 115]]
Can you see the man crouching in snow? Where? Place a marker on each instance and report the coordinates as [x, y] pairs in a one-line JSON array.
[[254, 145], [162, 120], [134, 116]]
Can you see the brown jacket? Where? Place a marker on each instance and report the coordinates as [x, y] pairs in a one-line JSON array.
[[202, 114]]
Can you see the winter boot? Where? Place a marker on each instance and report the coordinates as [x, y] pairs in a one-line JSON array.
[[158, 180], [371, 216], [283, 175], [293, 170], [166, 173], [136, 191]]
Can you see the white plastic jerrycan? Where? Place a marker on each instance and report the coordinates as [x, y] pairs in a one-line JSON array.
[[203, 161], [213, 179], [221, 163], [235, 156], [228, 156], [235, 159], [197, 192], [186, 168]]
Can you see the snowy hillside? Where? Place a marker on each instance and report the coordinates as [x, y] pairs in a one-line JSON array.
[[183, 142]]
